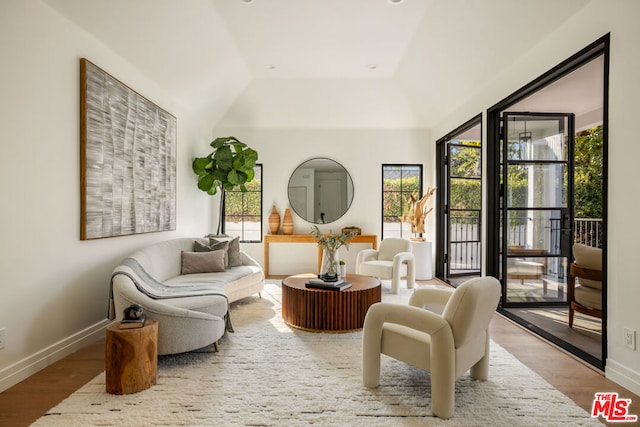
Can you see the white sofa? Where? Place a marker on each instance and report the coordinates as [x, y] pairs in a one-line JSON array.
[[191, 309]]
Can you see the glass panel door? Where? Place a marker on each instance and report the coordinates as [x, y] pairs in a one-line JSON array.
[[537, 214], [459, 203], [465, 207]]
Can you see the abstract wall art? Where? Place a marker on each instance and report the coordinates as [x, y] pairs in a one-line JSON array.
[[127, 161]]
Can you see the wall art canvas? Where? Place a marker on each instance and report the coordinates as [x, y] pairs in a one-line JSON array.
[[128, 159]]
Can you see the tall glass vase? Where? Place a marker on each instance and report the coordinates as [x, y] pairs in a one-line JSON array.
[[330, 263]]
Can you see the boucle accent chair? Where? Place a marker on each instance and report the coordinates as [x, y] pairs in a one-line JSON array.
[[446, 344], [392, 260], [585, 282]]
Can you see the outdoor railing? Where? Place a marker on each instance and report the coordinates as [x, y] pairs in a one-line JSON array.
[[464, 253], [588, 231]]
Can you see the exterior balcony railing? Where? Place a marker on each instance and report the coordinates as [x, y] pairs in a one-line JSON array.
[[464, 252]]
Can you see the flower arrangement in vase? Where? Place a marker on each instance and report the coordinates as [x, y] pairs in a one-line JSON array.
[[330, 243]]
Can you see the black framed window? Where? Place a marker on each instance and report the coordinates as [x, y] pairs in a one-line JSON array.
[[399, 183], [243, 210]]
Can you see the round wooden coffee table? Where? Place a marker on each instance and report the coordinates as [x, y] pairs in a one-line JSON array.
[[327, 310]]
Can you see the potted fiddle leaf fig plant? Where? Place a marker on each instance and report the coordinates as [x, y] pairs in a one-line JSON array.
[[229, 166]]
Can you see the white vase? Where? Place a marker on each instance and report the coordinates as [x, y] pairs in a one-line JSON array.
[[343, 271]]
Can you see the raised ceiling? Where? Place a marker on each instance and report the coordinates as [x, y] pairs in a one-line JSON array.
[[319, 63]]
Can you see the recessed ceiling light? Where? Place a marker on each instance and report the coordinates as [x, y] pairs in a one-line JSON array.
[[372, 66], [247, 1], [395, 1], [270, 67]]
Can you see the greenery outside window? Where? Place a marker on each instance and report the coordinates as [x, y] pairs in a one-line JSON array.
[[243, 210], [399, 183]]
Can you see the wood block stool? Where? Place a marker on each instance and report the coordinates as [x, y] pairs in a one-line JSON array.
[[131, 358]]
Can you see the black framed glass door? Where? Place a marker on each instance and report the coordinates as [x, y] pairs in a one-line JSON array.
[[536, 210], [464, 177], [583, 201], [459, 170]]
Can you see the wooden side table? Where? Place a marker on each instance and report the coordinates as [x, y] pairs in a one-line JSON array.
[[131, 358], [326, 310]]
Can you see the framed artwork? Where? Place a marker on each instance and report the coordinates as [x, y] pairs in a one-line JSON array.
[[127, 161]]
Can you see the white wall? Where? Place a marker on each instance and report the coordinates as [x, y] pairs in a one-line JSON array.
[[53, 298], [54, 287], [361, 151], [595, 20]]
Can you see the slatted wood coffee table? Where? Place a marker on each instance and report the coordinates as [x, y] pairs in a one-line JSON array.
[[327, 310]]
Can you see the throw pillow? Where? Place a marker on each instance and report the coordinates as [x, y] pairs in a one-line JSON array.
[[588, 257], [220, 245], [233, 251], [202, 262]]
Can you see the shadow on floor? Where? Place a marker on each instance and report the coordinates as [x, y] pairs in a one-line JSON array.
[[584, 340]]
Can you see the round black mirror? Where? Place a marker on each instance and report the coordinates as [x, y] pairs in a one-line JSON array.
[[320, 190]]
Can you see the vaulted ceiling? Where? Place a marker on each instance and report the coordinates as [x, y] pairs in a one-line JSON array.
[[319, 63]]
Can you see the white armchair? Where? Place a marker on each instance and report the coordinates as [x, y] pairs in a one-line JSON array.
[[392, 260], [446, 345]]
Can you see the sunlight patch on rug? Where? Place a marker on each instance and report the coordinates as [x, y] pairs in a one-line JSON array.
[[268, 374]]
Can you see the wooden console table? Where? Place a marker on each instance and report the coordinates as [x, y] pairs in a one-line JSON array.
[[308, 238]]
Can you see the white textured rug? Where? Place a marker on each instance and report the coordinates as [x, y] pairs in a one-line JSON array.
[[268, 374]]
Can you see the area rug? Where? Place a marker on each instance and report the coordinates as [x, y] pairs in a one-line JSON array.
[[268, 374]]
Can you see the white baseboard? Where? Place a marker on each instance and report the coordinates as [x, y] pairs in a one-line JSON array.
[[30, 365], [622, 375]]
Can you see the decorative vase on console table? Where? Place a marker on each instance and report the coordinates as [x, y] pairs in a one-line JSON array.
[[274, 221], [287, 222]]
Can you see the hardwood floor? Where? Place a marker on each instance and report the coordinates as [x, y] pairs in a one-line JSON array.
[[27, 401], [576, 379]]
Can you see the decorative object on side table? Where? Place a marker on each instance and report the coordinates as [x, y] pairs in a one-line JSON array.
[[274, 221], [418, 212], [420, 247], [287, 222], [330, 243], [352, 230], [229, 166], [133, 317]]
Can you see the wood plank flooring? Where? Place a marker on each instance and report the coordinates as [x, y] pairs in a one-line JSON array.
[[576, 379], [27, 401]]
